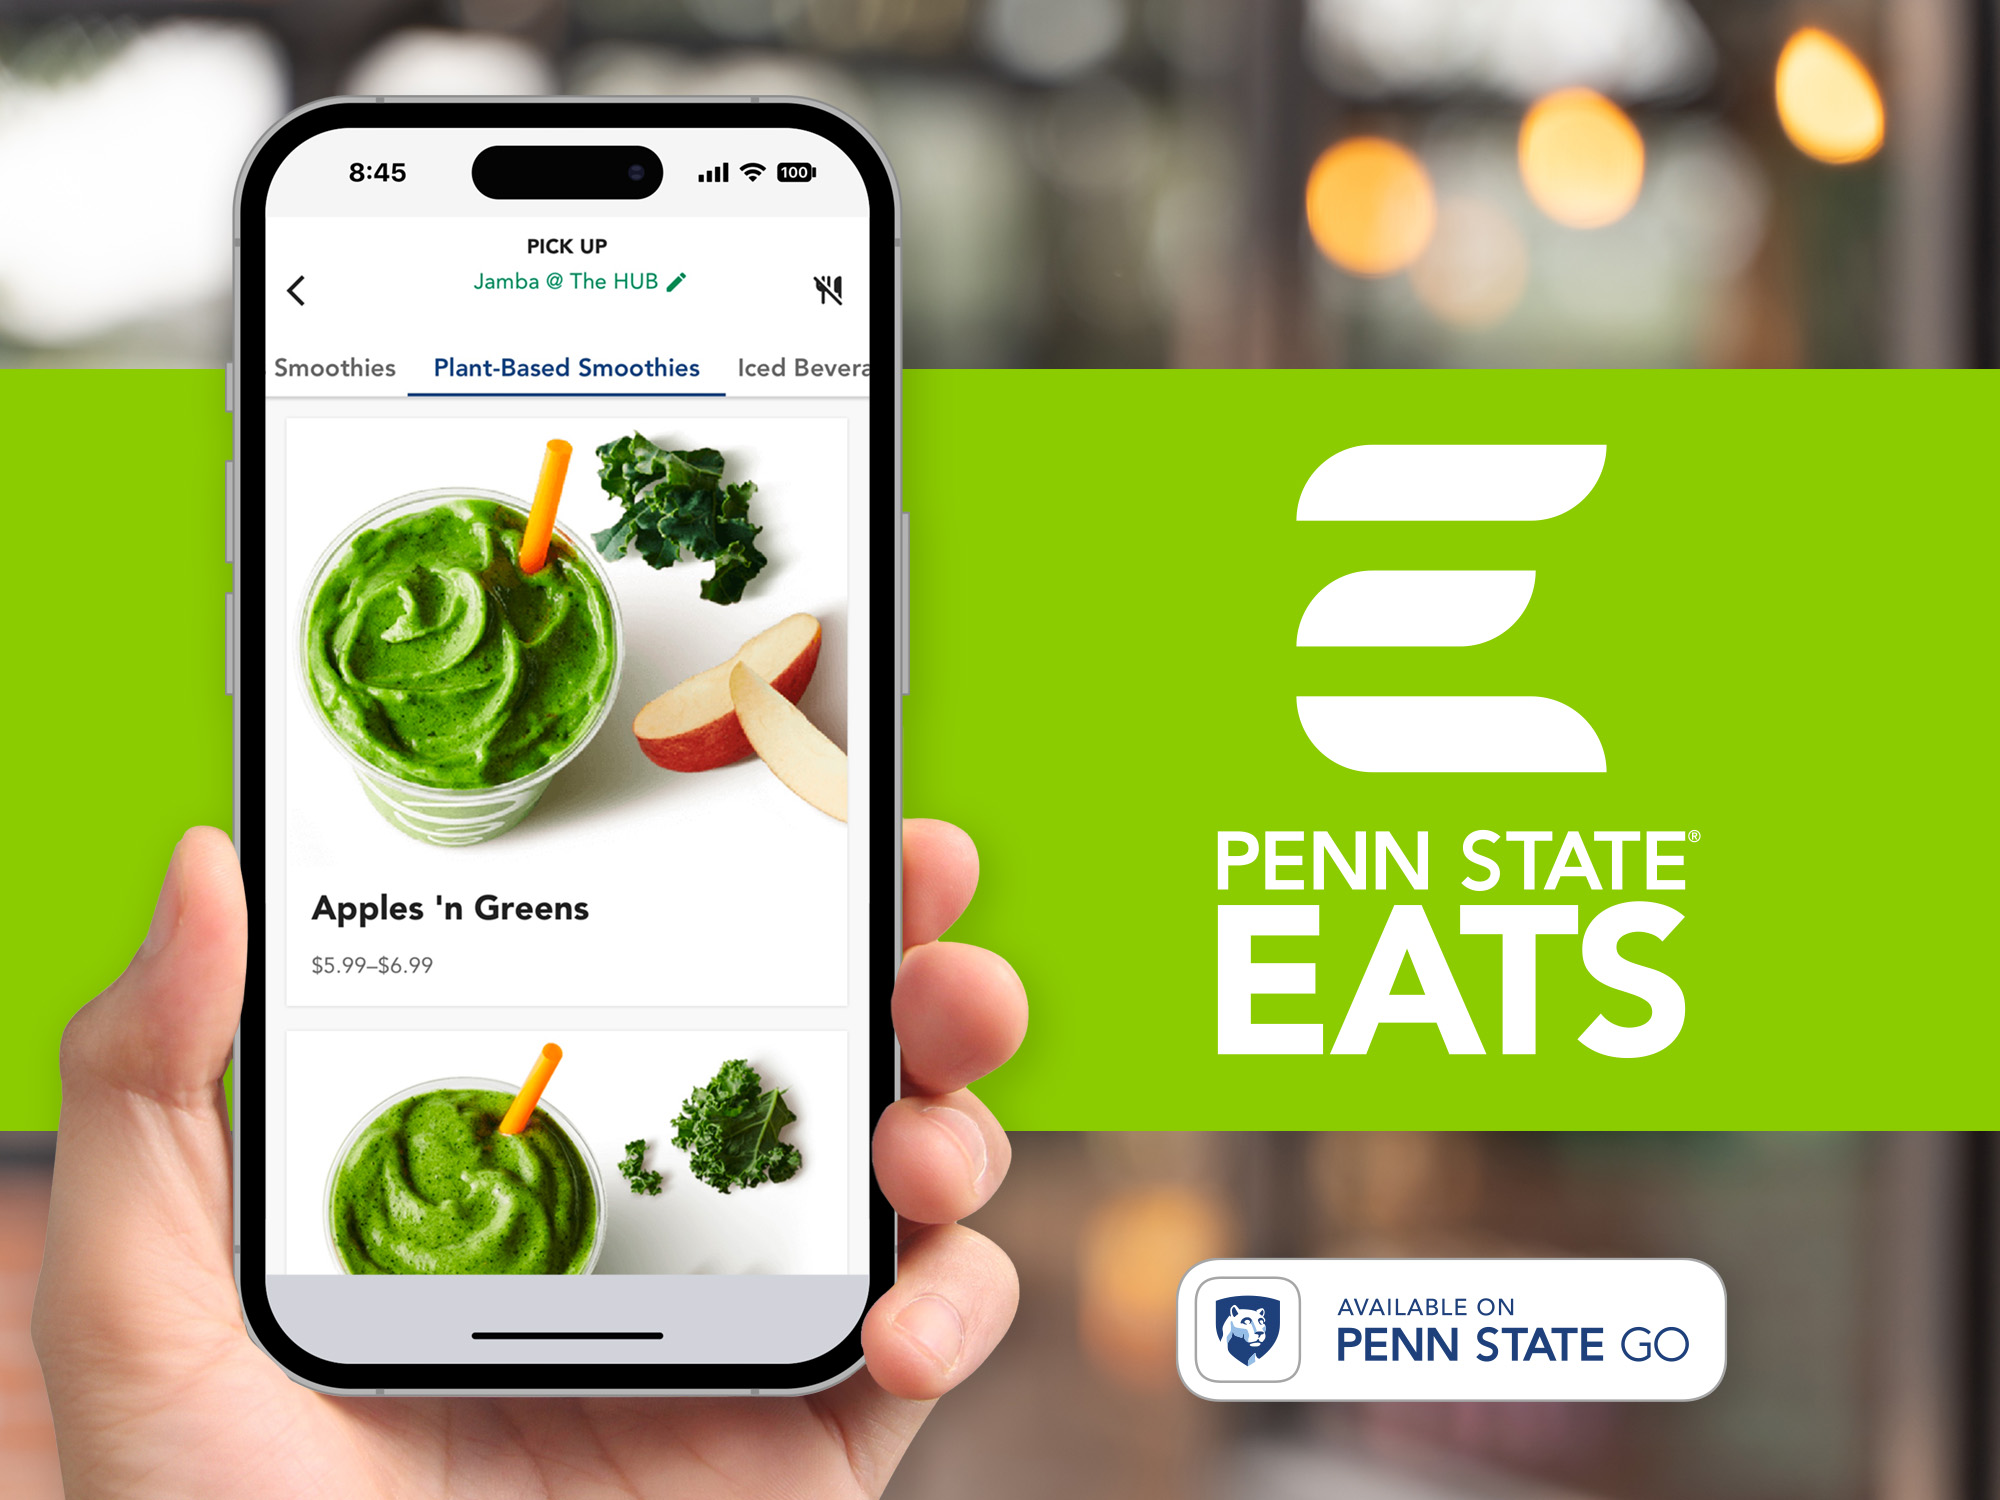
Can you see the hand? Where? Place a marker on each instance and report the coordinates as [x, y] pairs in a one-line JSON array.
[[157, 1390]]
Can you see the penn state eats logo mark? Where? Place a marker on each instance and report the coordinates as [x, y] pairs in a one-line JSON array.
[[1247, 1326], [1442, 482]]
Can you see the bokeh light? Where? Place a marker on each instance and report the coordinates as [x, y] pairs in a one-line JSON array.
[[1051, 40], [1827, 99], [1370, 205], [1476, 267], [1582, 159], [431, 60], [118, 181], [1519, 49], [1135, 1248]]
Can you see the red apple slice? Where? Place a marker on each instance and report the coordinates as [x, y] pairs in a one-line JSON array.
[[692, 726], [797, 753]]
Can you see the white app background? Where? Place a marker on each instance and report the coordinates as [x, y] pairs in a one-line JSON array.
[[718, 888], [614, 1087], [711, 895]]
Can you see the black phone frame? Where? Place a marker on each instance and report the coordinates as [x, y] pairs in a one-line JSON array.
[[253, 834]]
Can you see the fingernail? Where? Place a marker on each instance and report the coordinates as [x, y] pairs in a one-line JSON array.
[[167, 913], [966, 1134], [933, 1322]]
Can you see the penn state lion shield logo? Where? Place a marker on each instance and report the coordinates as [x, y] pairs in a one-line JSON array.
[[1247, 1326]]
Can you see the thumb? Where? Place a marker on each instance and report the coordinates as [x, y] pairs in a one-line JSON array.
[[163, 1029], [137, 1253]]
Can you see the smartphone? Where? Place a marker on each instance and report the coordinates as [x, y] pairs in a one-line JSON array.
[[565, 647]]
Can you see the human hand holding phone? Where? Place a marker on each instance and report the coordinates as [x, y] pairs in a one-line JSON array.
[[157, 1390]]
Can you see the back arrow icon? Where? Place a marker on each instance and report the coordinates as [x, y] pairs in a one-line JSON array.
[[293, 292]]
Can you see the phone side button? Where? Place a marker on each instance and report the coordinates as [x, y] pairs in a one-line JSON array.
[[229, 388], [229, 645], [229, 510], [903, 598]]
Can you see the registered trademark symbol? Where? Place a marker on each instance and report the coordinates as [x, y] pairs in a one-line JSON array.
[[1694, 835]]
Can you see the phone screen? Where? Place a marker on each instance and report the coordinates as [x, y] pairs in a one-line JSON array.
[[567, 739]]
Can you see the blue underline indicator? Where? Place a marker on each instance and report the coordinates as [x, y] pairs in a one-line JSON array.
[[567, 395]]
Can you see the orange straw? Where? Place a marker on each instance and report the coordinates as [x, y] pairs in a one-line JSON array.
[[542, 519], [523, 1108]]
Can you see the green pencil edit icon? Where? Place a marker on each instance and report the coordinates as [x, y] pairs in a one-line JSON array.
[[677, 281]]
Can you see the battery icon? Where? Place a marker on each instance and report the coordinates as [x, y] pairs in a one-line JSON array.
[[796, 171]]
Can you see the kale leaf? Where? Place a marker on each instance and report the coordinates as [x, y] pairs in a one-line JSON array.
[[675, 502], [730, 1130], [634, 1169]]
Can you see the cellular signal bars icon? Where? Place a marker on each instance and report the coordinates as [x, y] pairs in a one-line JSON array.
[[752, 169], [715, 174]]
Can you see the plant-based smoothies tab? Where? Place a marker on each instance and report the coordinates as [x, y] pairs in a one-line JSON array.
[[430, 1187], [436, 659]]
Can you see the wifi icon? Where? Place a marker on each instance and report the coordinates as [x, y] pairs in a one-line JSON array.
[[752, 169]]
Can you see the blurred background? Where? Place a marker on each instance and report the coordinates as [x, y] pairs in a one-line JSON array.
[[1253, 183], [1137, 182], [1861, 1273]]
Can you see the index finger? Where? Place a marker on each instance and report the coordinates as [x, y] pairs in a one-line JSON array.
[[940, 872]]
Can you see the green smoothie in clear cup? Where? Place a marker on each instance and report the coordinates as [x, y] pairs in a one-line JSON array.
[[456, 683], [427, 1186]]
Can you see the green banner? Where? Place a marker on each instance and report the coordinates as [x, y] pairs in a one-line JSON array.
[[1233, 868], [117, 724], [1660, 755]]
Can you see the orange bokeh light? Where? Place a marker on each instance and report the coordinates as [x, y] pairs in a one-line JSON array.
[[1135, 1248], [1370, 205], [1582, 159], [1476, 269], [1827, 99]]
